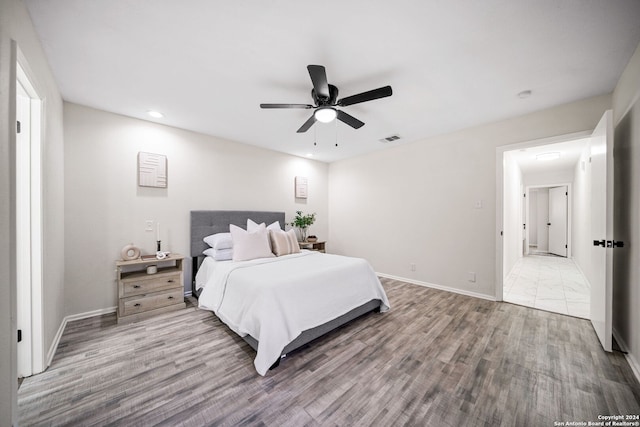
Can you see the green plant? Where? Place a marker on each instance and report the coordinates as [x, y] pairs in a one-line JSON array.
[[303, 221]]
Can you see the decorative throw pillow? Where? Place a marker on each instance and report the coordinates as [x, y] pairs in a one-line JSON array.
[[252, 225], [247, 246], [219, 241], [284, 242]]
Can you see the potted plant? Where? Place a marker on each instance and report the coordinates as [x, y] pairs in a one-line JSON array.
[[302, 223]]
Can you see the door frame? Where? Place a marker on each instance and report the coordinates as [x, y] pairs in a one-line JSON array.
[[499, 278], [569, 212], [34, 303]]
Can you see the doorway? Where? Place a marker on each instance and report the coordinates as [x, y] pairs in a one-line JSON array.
[[547, 220], [30, 348], [540, 271]]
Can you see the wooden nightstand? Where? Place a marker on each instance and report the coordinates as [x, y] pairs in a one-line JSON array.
[[314, 246], [142, 295]]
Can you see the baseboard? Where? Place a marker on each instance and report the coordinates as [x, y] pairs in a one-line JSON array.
[[439, 287], [63, 324], [633, 363]]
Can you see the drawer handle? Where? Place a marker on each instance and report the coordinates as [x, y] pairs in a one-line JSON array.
[[170, 281], [170, 297], [136, 304], [136, 286]]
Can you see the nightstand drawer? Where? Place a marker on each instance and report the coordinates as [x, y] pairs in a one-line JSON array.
[[150, 301], [151, 283]]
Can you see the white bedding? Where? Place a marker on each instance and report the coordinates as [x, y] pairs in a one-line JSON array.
[[276, 299]]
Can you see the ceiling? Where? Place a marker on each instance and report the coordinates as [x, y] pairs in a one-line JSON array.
[[569, 154], [207, 65]]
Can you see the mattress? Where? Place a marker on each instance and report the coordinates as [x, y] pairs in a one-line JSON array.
[[275, 299]]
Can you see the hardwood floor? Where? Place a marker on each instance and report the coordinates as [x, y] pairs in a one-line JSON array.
[[435, 358]]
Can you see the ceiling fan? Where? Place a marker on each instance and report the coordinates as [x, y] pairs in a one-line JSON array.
[[325, 98]]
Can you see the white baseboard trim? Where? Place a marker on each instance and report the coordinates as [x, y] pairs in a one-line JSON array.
[[635, 366], [63, 324], [439, 287]]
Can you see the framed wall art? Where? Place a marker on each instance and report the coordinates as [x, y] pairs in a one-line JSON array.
[[301, 187], [152, 170]]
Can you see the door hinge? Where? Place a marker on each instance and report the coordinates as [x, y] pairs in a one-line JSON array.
[[18, 126], [566, 193], [615, 244], [566, 247], [501, 232], [19, 335]]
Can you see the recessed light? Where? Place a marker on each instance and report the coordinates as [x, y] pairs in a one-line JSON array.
[[155, 114], [524, 94], [309, 154], [548, 156]]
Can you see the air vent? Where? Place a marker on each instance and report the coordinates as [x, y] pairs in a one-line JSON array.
[[390, 138]]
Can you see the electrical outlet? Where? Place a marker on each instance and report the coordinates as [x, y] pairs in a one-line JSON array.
[[472, 277], [412, 266], [148, 225]]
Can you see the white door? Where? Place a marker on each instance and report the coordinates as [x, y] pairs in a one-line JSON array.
[[558, 220], [602, 229]]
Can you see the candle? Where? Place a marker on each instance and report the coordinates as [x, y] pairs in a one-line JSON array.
[[158, 230]]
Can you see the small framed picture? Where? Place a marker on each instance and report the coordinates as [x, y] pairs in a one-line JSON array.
[[301, 187], [152, 170]]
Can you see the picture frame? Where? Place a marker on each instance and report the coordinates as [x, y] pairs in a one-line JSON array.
[[301, 188], [152, 170]]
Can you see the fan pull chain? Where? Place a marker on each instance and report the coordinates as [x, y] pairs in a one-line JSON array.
[[336, 122]]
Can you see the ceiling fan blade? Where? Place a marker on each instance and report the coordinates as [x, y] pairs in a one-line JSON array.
[[350, 120], [319, 78], [305, 127], [381, 92], [286, 106]]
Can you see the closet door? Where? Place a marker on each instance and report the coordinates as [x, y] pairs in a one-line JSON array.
[[558, 220]]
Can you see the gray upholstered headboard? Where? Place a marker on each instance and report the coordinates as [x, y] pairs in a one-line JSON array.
[[205, 223]]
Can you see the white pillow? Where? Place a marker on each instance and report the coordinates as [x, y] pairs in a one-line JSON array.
[[219, 241], [250, 245], [284, 242], [219, 254], [251, 226]]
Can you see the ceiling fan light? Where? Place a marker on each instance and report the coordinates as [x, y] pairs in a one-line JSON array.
[[325, 114]]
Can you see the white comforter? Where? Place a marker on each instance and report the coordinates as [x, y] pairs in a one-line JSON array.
[[276, 299]]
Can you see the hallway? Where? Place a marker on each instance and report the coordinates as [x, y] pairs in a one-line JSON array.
[[548, 283]]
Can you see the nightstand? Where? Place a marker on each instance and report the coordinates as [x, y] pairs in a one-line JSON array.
[[142, 295], [314, 246]]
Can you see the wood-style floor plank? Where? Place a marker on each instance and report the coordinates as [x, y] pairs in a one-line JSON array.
[[436, 358]]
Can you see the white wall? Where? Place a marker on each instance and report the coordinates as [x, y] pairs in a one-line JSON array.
[[626, 292], [415, 203], [15, 25], [581, 218], [513, 202], [105, 209]]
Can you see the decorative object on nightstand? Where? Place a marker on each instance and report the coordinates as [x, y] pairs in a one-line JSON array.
[[130, 252], [302, 223], [317, 245], [142, 293], [312, 239]]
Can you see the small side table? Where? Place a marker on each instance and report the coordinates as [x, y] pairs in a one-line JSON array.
[[314, 246]]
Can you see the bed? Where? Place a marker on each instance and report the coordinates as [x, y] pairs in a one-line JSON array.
[[281, 303]]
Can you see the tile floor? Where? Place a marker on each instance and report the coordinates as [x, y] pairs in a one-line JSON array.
[[548, 283]]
